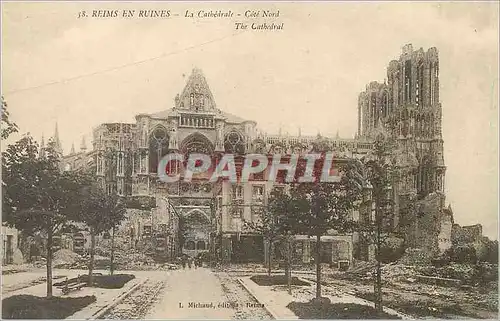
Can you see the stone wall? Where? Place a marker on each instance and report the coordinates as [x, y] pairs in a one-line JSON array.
[[424, 230], [466, 234]]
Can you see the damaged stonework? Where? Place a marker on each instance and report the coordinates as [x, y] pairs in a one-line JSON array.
[[430, 229], [153, 230]]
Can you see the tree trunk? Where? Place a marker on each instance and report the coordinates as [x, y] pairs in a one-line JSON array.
[[289, 265], [378, 280], [318, 266], [91, 259], [269, 258], [378, 271], [378, 288], [112, 267], [49, 263], [285, 251]]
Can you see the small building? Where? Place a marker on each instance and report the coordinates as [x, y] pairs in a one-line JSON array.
[[10, 251]]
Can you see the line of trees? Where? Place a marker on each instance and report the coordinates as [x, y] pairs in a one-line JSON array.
[[312, 209], [41, 199], [317, 209]]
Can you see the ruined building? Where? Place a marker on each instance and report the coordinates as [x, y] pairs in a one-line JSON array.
[[407, 106], [211, 215]]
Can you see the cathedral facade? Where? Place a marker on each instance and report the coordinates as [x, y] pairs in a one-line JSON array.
[[211, 216]]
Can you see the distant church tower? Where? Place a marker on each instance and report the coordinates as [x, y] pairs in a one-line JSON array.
[[57, 141], [41, 154]]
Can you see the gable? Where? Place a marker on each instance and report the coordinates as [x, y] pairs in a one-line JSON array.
[[196, 95]]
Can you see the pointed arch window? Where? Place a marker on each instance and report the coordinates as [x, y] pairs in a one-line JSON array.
[[431, 83], [420, 85], [190, 245], [158, 147], [407, 79], [200, 245], [385, 104]]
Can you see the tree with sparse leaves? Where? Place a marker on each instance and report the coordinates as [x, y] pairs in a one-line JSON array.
[[323, 206], [282, 207], [377, 223], [100, 211], [318, 207], [272, 223], [37, 196], [267, 227], [7, 126]]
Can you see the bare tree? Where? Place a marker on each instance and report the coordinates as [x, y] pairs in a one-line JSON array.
[[377, 223]]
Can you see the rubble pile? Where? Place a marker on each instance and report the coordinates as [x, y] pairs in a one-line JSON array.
[[362, 270], [123, 260], [65, 258], [472, 274], [133, 261], [362, 267], [101, 262], [42, 262], [398, 271], [138, 261], [415, 257], [13, 269]]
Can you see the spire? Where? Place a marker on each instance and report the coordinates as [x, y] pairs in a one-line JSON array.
[[42, 147], [56, 133], [83, 145], [337, 135], [300, 132], [57, 142], [72, 149]]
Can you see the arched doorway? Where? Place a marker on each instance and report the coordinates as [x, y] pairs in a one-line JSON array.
[[196, 143], [194, 229]]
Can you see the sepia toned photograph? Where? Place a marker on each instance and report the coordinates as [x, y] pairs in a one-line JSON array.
[[249, 160]]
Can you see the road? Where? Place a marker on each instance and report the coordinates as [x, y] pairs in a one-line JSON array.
[[192, 294]]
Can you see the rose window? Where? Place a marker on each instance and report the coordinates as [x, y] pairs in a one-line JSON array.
[[234, 143]]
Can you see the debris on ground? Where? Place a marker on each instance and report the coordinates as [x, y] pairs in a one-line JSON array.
[[40, 263], [16, 268], [65, 258], [415, 257]]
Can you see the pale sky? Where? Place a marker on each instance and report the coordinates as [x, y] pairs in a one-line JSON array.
[[308, 75]]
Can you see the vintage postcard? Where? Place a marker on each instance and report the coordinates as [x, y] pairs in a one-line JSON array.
[[249, 160]]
